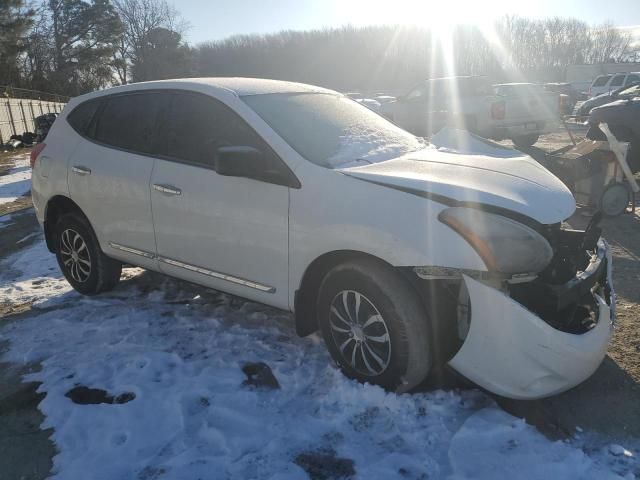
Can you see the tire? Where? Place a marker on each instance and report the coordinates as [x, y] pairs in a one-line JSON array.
[[525, 141], [614, 199], [86, 268], [399, 338]]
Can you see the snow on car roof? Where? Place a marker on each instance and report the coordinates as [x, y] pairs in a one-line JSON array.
[[256, 86], [237, 86]]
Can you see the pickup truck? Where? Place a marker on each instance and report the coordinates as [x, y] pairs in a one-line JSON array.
[[517, 111]]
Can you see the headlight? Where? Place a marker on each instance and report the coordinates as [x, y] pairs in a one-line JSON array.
[[506, 246]]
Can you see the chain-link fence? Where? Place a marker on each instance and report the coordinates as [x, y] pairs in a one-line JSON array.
[[19, 107]]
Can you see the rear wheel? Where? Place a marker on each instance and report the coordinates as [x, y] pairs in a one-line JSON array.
[[525, 141], [86, 268], [374, 325]]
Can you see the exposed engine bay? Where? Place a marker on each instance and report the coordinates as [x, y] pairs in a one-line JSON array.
[[562, 293]]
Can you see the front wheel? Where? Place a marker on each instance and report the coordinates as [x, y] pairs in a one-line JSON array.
[[374, 325], [84, 265]]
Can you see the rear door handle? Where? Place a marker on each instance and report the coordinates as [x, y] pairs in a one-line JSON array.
[[80, 170], [168, 189]]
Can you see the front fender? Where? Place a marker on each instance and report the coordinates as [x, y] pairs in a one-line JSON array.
[[348, 214]]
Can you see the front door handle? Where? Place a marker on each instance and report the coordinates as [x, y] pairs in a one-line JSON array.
[[168, 189], [80, 170]]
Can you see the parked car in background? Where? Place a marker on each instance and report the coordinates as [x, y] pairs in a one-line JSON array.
[[370, 103], [404, 256], [623, 93], [606, 83], [569, 96], [464, 102], [517, 111], [530, 111], [623, 119], [383, 98]]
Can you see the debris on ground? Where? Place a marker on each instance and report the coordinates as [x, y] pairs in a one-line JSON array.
[[259, 375], [93, 396], [325, 465]]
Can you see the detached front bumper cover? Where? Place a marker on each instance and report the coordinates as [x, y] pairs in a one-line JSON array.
[[512, 352]]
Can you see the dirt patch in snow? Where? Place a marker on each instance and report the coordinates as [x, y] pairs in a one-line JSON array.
[[25, 445], [13, 166]]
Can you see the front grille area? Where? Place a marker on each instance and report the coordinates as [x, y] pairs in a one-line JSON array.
[[560, 296]]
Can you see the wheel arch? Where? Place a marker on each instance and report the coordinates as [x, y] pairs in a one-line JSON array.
[[438, 306], [55, 208], [307, 293]]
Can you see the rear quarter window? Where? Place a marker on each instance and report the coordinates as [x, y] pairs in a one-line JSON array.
[[81, 116]]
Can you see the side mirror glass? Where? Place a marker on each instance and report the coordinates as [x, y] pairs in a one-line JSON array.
[[239, 161]]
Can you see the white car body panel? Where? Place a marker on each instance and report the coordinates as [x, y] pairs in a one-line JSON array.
[[528, 358], [234, 226], [395, 226], [115, 197], [519, 183], [49, 176]]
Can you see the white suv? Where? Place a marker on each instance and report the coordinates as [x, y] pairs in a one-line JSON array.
[[607, 83], [405, 256]]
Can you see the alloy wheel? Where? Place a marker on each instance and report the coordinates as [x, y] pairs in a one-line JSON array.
[[75, 255], [360, 333]]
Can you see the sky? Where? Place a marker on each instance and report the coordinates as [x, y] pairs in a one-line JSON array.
[[217, 19]]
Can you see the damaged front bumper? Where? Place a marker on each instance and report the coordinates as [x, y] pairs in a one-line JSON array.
[[513, 352]]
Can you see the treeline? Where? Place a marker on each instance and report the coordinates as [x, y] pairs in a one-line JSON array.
[[394, 58], [74, 46]]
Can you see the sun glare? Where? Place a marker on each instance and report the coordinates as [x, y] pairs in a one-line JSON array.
[[440, 16]]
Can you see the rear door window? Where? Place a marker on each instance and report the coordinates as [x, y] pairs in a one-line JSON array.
[[601, 81], [130, 122], [617, 81]]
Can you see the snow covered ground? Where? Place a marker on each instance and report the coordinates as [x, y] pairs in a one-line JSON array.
[[17, 182], [180, 350]]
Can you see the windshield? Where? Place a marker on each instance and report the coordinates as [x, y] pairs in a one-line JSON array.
[[331, 130]]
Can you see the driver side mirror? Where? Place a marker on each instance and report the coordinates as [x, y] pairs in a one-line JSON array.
[[239, 161], [249, 162]]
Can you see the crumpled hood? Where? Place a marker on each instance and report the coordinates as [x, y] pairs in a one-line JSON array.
[[512, 181]]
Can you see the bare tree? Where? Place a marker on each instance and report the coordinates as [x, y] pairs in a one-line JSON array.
[[609, 44], [140, 18]]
